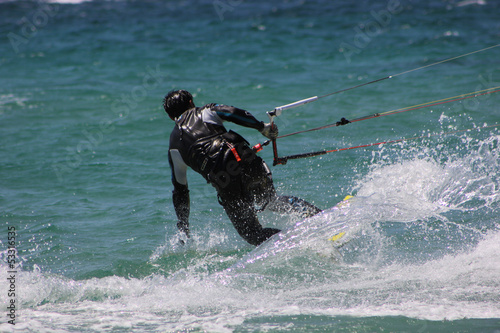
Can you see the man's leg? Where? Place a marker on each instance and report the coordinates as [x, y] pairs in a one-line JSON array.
[[244, 218], [259, 183]]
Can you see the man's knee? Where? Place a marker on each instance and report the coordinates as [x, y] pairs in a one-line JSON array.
[[293, 205], [244, 218]]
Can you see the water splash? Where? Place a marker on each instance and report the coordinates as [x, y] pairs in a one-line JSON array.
[[423, 243]]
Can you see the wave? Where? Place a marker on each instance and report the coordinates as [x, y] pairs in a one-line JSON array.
[[423, 242], [463, 285]]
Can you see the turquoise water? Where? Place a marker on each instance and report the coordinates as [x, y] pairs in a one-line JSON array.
[[85, 182]]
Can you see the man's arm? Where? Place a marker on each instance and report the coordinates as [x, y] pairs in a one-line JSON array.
[[180, 194], [237, 116], [244, 118], [180, 198]]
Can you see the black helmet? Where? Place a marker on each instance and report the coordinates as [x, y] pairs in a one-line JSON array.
[[177, 102]]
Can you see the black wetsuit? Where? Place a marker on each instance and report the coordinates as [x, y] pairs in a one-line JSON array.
[[242, 179]]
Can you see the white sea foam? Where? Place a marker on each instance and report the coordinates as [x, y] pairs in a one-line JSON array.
[[453, 287], [68, 1], [379, 274], [10, 99], [458, 286]]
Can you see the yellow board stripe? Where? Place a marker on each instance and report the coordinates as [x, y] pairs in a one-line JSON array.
[[336, 237], [341, 234]]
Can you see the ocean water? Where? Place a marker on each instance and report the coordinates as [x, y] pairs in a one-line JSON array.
[[89, 242]]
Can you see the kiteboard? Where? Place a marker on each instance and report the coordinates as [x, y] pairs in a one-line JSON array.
[[339, 239]]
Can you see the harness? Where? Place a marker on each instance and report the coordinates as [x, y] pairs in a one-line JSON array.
[[225, 159]]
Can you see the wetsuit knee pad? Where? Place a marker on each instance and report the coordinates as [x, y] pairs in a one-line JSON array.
[[292, 205]]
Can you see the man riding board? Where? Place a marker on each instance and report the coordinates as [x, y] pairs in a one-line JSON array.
[[242, 179]]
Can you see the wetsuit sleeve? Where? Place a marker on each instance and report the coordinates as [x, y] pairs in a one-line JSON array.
[[237, 116], [180, 194]]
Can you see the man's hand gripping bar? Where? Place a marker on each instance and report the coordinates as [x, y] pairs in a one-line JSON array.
[[277, 112]]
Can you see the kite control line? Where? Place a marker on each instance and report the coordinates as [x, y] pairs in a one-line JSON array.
[[285, 159], [344, 121], [278, 110]]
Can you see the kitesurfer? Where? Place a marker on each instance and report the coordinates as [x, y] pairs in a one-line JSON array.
[[242, 179]]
